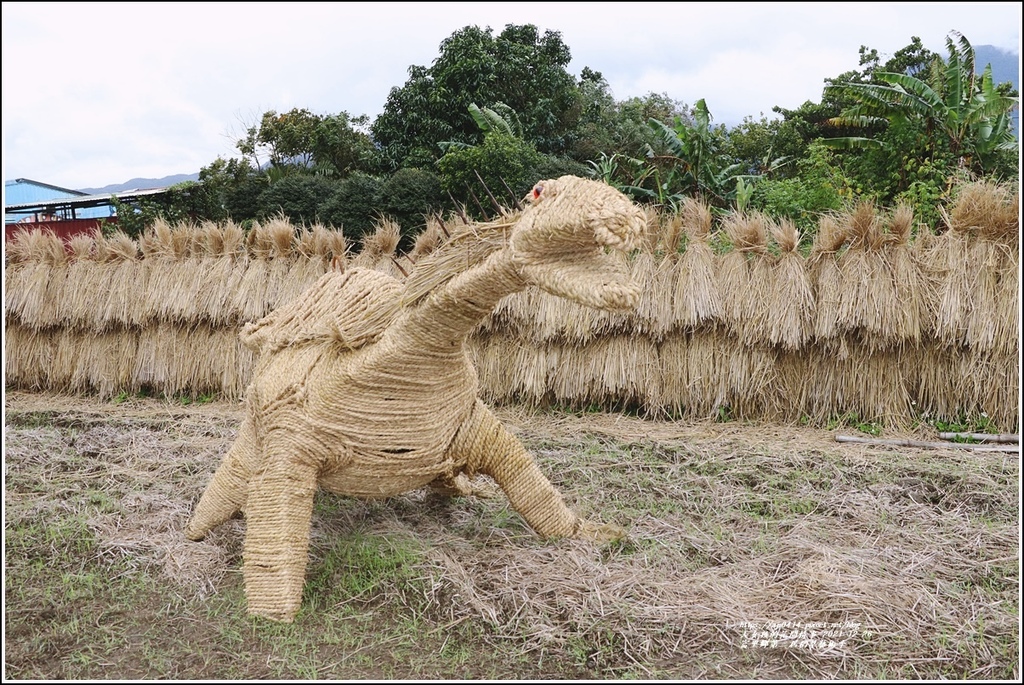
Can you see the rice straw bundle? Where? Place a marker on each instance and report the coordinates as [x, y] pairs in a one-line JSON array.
[[378, 249], [795, 370], [223, 267], [510, 369], [18, 266], [876, 387], [823, 266], [675, 384], [947, 264], [28, 355], [552, 316], [696, 295], [429, 239], [245, 365], [993, 322], [751, 379], [648, 313], [308, 264], [1007, 315], [126, 284], [190, 272], [158, 246], [280, 235], [945, 388], [984, 208], [694, 377], [45, 281], [153, 357], [743, 275], [249, 297], [610, 370], [110, 361], [982, 325], [530, 368], [911, 304], [999, 387], [77, 307], [64, 365], [868, 302], [790, 312], [202, 360], [333, 246]]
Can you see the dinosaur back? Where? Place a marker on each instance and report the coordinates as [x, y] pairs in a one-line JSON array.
[[352, 307]]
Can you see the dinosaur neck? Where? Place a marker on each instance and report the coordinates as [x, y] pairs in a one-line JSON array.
[[448, 315]]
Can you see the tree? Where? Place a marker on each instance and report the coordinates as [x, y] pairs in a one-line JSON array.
[[331, 144], [354, 206], [957, 109], [520, 68], [499, 160], [409, 196], [688, 161], [237, 187], [339, 147], [298, 197]]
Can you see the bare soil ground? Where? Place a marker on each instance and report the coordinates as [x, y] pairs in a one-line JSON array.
[[755, 551]]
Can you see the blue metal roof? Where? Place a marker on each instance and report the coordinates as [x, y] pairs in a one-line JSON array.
[[25, 191]]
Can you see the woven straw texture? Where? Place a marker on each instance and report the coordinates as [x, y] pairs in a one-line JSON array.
[[367, 389]]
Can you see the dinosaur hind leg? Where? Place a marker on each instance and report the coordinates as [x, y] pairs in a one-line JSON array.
[[487, 447], [226, 493]]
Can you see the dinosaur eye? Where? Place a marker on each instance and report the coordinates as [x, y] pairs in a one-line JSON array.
[[537, 190]]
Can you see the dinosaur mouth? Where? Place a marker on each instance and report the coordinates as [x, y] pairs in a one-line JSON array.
[[594, 279]]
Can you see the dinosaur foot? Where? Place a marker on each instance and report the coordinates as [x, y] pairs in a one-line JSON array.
[[461, 486], [599, 532]]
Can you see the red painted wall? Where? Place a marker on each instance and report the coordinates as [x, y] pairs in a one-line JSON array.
[[63, 229]]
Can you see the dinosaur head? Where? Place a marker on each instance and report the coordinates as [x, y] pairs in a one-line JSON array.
[[566, 239]]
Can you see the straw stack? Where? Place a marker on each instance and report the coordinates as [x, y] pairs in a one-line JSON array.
[[789, 315], [378, 249], [744, 276], [697, 299], [43, 280], [823, 266], [125, 285]]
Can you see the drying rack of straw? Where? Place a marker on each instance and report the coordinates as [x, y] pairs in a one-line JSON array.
[[877, 319]]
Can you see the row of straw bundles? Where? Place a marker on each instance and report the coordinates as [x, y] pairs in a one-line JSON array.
[[214, 274], [166, 358], [862, 277], [697, 374]]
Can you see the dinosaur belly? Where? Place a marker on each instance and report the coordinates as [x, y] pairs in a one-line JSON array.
[[396, 423]]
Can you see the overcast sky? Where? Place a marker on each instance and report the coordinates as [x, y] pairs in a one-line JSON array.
[[100, 93]]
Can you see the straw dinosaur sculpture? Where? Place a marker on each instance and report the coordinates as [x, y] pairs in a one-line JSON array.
[[364, 385]]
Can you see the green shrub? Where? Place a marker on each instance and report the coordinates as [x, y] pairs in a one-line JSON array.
[[354, 206]]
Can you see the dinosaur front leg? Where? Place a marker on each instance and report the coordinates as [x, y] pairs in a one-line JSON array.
[[225, 495], [278, 514], [486, 446]]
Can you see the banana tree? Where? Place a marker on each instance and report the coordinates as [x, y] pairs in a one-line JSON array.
[[960, 108], [691, 163]]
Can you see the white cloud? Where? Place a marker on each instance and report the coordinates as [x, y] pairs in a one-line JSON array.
[[98, 93]]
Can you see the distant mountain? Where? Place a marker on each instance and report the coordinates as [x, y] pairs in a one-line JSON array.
[[142, 184], [1005, 64], [1005, 67]]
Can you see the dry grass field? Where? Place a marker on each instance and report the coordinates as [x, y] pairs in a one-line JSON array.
[[755, 551]]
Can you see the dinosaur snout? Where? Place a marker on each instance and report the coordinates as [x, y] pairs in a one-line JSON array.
[[620, 229]]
